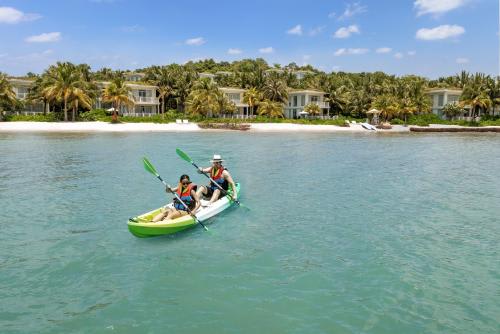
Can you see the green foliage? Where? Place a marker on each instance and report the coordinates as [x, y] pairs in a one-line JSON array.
[[397, 121], [95, 115], [31, 118], [425, 120]]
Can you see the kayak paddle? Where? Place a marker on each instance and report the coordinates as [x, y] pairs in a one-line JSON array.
[[186, 157], [150, 168]]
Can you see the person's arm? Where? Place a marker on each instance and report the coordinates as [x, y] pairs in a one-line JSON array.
[[171, 190], [202, 170], [229, 179], [196, 199]]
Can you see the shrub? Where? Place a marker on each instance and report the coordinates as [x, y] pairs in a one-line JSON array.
[[94, 115], [31, 118]]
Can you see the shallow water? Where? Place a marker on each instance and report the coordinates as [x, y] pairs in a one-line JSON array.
[[348, 233]]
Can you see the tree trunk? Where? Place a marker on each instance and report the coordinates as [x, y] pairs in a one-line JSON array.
[[65, 110], [115, 116]]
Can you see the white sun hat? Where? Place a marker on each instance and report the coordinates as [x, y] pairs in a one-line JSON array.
[[216, 158]]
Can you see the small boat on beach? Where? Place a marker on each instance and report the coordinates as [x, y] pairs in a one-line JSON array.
[[142, 226], [368, 126]]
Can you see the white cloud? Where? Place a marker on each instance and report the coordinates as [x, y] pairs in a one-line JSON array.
[[269, 49], [462, 60], [412, 53], [234, 51], [346, 32], [297, 30], [383, 50], [351, 10], [12, 16], [47, 37], [437, 6], [355, 51], [332, 15], [316, 31], [195, 41], [306, 57], [440, 32], [335, 68], [398, 55]]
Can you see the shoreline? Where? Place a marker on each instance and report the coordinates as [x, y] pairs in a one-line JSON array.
[[10, 127], [20, 127]]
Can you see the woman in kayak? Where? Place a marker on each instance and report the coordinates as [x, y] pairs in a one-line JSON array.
[[221, 176], [186, 190]]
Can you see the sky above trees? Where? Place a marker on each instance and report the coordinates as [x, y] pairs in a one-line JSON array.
[[426, 37]]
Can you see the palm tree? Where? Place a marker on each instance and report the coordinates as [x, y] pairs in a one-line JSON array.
[[184, 80], [313, 109], [80, 98], [407, 108], [164, 78], [61, 82], [275, 88], [271, 109], [224, 105], [452, 110], [252, 97], [7, 95], [203, 98], [387, 104], [117, 93]]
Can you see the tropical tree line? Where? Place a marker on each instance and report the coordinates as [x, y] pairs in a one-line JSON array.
[[68, 89]]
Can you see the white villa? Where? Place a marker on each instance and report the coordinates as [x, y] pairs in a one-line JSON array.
[[235, 95], [441, 97], [21, 87], [134, 76], [299, 98], [144, 96], [145, 101]]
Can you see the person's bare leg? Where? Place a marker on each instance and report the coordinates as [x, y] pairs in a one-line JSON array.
[[202, 190], [160, 216], [215, 196]]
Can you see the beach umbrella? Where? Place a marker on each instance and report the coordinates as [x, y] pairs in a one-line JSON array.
[[111, 109]]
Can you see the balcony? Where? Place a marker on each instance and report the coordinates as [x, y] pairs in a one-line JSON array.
[[323, 105], [22, 96], [146, 100]]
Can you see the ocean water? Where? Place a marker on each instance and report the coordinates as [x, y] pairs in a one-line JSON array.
[[347, 233]]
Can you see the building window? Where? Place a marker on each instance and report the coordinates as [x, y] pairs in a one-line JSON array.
[[453, 98], [314, 99], [233, 97], [142, 93], [302, 100], [295, 101], [440, 100]]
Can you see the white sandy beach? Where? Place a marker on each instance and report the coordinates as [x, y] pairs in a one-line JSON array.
[[174, 127]]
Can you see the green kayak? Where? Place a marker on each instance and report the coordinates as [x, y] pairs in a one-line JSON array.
[[142, 226]]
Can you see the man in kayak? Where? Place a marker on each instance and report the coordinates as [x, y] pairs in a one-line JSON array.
[[187, 192], [221, 176]]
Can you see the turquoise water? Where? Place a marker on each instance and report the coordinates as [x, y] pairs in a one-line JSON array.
[[348, 233]]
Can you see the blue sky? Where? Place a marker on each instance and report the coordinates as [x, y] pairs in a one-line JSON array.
[[425, 37]]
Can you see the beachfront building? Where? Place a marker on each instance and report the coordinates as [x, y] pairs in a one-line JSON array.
[[441, 97], [22, 87], [134, 76], [299, 98], [144, 96], [235, 95], [210, 76], [301, 74]]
